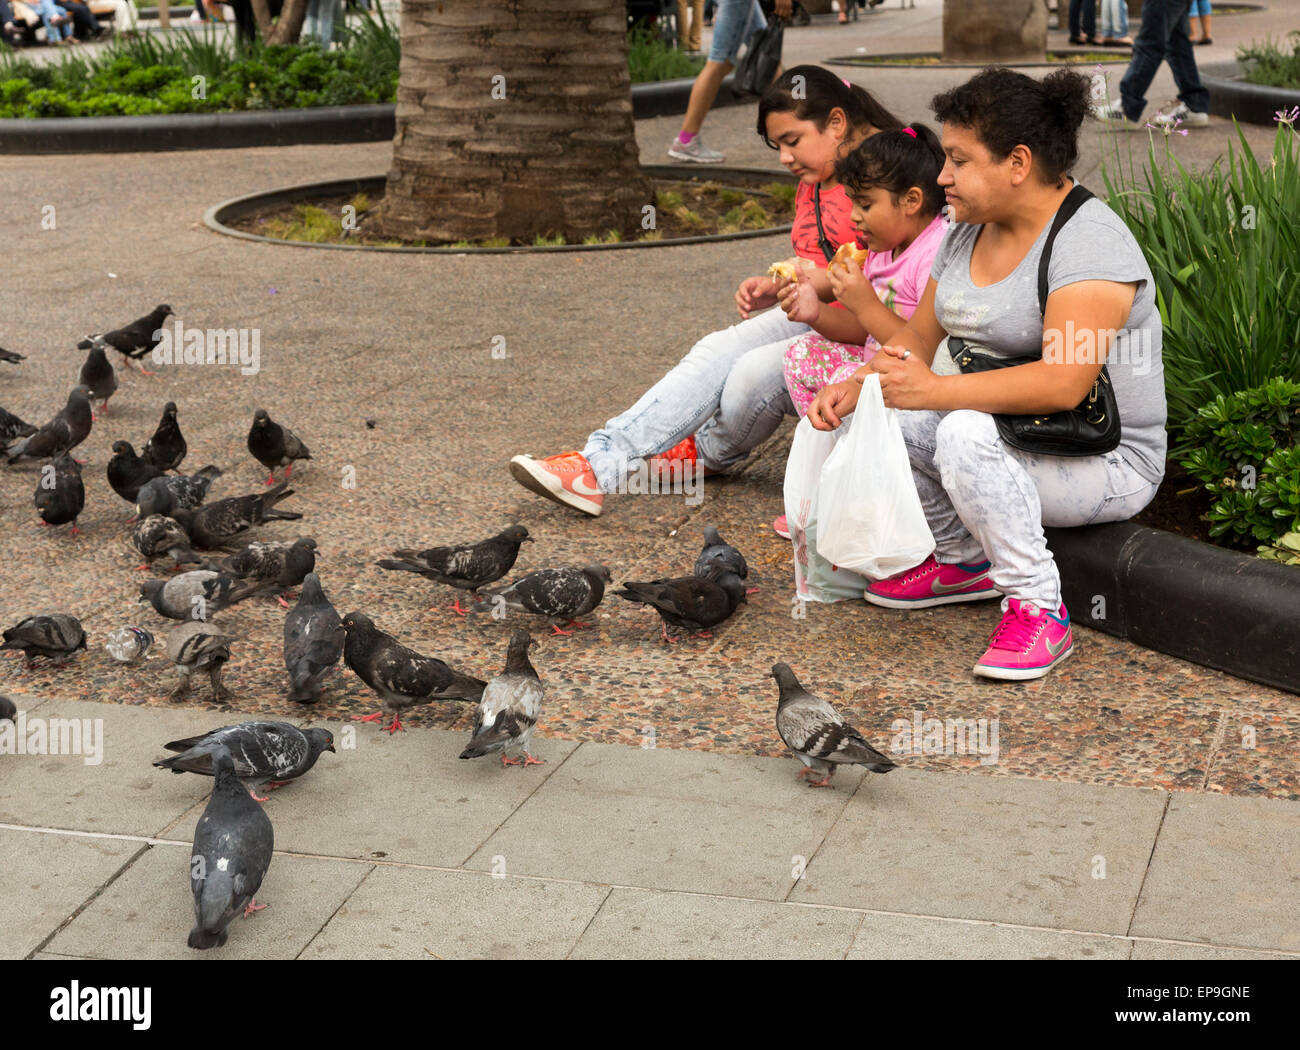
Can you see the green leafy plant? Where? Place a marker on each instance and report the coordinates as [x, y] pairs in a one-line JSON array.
[[1285, 549], [1269, 64], [649, 58]]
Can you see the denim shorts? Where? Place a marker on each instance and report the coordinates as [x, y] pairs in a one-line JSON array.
[[736, 22], [1199, 7]]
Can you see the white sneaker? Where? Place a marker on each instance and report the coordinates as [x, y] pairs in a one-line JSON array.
[[1189, 117], [694, 151], [1112, 115]]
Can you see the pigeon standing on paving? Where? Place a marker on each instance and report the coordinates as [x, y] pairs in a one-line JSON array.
[[10, 357], [233, 844], [695, 603], [509, 708], [157, 535], [313, 641], [401, 676], [195, 595], [560, 594], [466, 567], [135, 340], [274, 446], [817, 734], [264, 753], [128, 473], [60, 495], [199, 646], [219, 524], [55, 637], [68, 429], [12, 428], [98, 376], [179, 492], [274, 567], [167, 447], [718, 551]]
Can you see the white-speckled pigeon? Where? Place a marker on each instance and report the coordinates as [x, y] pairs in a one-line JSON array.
[[136, 339], [276, 568], [559, 594], [182, 492], [466, 567], [220, 524], [509, 708], [265, 753]]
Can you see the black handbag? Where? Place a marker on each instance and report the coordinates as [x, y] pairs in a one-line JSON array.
[[1089, 429], [762, 58]]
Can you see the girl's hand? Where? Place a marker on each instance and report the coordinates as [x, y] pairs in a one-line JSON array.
[[799, 300], [850, 286], [905, 380], [755, 293], [834, 402]]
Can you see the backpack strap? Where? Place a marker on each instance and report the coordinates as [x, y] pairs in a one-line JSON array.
[[823, 242], [1069, 206]]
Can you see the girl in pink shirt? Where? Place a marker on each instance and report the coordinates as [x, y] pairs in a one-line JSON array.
[[892, 179]]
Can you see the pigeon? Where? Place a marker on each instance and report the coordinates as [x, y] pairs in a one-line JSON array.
[[401, 676], [128, 473], [264, 753], [195, 595], [10, 357], [274, 446], [60, 496], [11, 427], [693, 602], [719, 551], [98, 376], [561, 594], [135, 340], [68, 429], [273, 566], [179, 492], [8, 709], [817, 734], [157, 535], [167, 447], [313, 641], [467, 567], [56, 637], [233, 843], [218, 524], [509, 708], [199, 646]]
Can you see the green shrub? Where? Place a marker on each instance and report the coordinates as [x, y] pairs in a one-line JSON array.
[[1270, 65], [649, 58]]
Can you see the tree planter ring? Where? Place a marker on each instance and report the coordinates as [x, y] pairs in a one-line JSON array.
[[1231, 96], [216, 217], [898, 61]]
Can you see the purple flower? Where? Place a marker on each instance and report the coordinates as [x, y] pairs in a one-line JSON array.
[[1288, 117]]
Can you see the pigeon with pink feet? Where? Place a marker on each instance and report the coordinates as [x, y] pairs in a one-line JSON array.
[[818, 734], [509, 708], [468, 566]]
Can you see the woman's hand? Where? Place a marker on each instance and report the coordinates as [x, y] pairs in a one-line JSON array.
[[836, 401], [799, 300], [755, 293], [905, 380], [784, 8], [850, 287]]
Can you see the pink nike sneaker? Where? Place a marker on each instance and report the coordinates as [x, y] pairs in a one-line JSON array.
[[781, 527], [1027, 644], [932, 583], [566, 478]]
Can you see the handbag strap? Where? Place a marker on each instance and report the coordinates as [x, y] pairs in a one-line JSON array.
[[1069, 206], [823, 242]]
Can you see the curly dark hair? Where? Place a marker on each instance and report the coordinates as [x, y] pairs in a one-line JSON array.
[[896, 161], [820, 92], [1006, 109]]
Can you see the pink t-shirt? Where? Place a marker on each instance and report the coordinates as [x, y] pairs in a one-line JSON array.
[[900, 282]]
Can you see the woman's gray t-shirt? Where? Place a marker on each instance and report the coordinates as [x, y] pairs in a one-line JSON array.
[[1003, 318]]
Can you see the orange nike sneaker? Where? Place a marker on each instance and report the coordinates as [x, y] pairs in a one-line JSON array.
[[682, 453], [565, 478]]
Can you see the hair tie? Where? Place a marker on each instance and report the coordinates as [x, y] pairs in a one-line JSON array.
[[846, 82], [909, 131]]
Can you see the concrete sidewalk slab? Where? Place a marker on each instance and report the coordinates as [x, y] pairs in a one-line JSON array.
[[46, 878], [410, 913], [148, 912], [1003, 850], [673, 820], [897, 937], [1164, 950], [1225, 871]]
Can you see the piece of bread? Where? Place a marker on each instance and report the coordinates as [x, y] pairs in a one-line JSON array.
[[849, 254], [783, 271]]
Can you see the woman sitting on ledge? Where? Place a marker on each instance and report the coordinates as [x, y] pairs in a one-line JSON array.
[[1009, 141]]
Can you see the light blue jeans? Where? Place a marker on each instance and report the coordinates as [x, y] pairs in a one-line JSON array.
[[319, 23], [1114, 19], [736, 22], [47, 11], [729, 391]]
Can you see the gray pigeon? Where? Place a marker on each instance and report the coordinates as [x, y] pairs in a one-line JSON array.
[[12, 428], [164, 495], [98, 376], [817, 734], [466, 567], [313, 641], [695, 603], [8, 709], [56, 637], [167, 447], [68, 429], [233, 844], [11, 357], [560, 594], [273, 567], [135, 340], [157, 535], [195, 595], [401, 676], [719, 551], [60, 495], [221, 523], [265, 753], [274, 446], [199, 646], [509, 708]]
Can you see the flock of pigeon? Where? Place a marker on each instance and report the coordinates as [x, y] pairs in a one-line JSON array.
[[208, 540]]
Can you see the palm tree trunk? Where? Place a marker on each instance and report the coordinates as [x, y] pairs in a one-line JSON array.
[[514, 119], [995, 30]]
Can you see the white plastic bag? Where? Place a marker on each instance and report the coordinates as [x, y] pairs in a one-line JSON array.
[[815, 579], [868, 514]]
